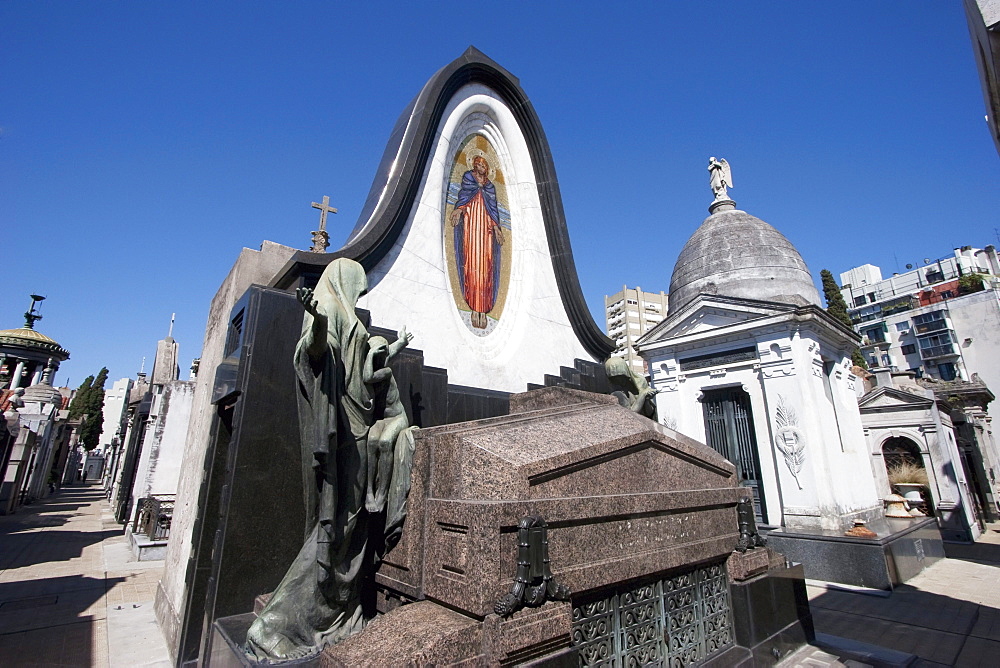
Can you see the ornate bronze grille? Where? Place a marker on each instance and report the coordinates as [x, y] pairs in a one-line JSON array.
[[679, 620]]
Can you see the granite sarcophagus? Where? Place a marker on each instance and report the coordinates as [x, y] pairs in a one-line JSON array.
[[633, 522], [625, 502]]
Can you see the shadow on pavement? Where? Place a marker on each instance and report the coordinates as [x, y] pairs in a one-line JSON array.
[[36, 522], [981, 552], [27, 549], [47, 602], [934, 627], [51, 621]]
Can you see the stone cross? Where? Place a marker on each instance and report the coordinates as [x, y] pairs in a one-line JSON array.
[[321, 240]]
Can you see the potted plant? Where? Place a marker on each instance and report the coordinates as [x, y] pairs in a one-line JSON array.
[[908, 478]]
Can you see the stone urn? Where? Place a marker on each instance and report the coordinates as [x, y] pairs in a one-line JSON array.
[[911, 492]]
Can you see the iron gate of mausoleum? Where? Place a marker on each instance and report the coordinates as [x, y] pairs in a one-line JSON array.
[[679, 620], [729, 430]]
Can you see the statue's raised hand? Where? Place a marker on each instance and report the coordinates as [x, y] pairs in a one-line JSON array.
[[403, 339], [405, 335], [305, 296]]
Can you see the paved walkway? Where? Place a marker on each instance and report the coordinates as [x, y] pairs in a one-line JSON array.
[[70, 594], [949, 615]]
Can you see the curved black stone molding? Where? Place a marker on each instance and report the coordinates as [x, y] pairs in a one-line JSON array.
[[410, 145]]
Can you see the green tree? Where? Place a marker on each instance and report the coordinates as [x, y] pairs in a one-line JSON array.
[[835, 304], [837, 307], [89, 401], [970, 283]]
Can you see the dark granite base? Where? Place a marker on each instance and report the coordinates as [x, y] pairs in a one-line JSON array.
[[734, 657], [565, 658], [902, 549], [771, 616], [228, 637]]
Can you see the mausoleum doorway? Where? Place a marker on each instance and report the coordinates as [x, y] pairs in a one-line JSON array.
[[900, 451], [729, 430], [904, 466]]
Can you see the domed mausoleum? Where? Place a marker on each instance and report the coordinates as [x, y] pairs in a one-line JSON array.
[[25, 352], [748, 362], [35, 453]]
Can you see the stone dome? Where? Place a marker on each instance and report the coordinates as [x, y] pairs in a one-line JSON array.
[[738, 255]]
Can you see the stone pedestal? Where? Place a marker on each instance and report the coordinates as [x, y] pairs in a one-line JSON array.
[[900, 551], [771, 615], [745, 565], [427, 634]]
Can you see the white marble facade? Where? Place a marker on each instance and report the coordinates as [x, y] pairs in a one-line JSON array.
[[795, 365], [911, 412], [164, 442], [410, 286]]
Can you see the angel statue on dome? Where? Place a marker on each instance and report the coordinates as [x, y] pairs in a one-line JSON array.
[[720, 177]]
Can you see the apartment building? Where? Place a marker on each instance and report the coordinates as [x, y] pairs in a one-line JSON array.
[[933, 320], [629, 314]]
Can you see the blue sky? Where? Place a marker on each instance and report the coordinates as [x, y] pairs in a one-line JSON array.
[[143, 144]]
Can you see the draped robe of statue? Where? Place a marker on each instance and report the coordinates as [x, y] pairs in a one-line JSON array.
[[477, 249], [633, 391], [319, 601]]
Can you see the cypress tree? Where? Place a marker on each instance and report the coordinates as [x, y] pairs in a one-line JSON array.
[[89, 401], [835, 304], [837, 307]]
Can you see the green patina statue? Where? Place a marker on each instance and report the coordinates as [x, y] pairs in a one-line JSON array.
[[633, 391], [357, 452]]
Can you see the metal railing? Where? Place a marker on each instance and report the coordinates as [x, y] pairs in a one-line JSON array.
[[944, 350], [154, 516]]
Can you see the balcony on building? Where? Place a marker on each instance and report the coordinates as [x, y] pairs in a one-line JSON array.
[[938, 345], [874, 335], [929, 323]]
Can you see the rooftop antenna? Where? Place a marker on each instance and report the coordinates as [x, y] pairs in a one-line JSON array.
[[170, 332], [142, 367]]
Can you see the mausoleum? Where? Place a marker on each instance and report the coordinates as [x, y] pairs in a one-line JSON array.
[[38, 448], [748, 362]]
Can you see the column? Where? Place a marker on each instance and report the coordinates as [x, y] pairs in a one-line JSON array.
[[15, 380]]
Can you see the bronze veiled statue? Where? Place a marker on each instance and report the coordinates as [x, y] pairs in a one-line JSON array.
[[632, 390], [357, 451]]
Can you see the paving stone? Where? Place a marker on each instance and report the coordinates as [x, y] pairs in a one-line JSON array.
[[70, 549], [812, 657], [988, 625], [979, 653], [948, 614]]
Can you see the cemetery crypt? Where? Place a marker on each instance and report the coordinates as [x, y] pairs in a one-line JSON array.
[[407, 450]]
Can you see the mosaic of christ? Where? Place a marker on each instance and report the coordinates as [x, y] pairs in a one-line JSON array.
[[478, 247]]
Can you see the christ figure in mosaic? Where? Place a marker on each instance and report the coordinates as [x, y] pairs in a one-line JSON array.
[[478, 237]]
